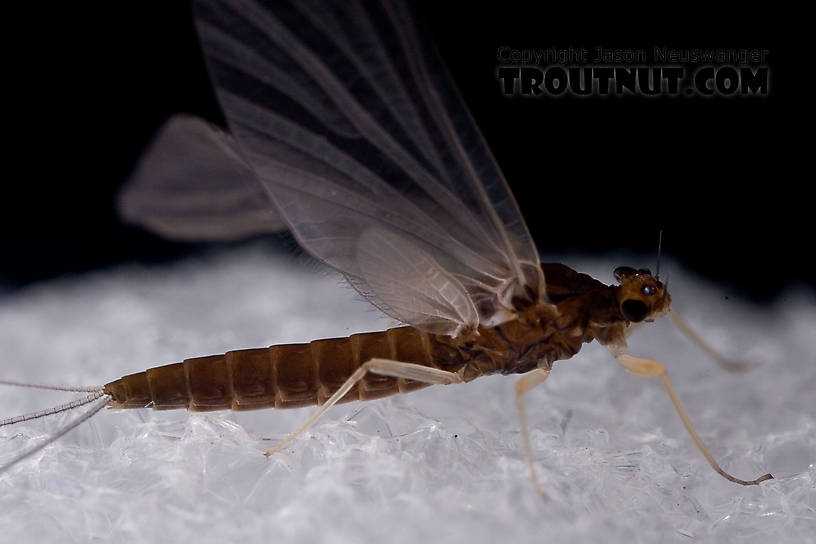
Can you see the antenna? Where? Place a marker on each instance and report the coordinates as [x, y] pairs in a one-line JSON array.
[[659, 250]]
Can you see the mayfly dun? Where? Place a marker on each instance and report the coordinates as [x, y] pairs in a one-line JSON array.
[[345, 128]]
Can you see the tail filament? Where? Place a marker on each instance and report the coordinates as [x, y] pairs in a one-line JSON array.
[[97, 397]]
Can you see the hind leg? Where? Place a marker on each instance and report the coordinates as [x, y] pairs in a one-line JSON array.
[[383, 367]]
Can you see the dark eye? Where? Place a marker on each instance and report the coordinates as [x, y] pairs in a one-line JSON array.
[[645, 271], [648, 290], [634, 310]]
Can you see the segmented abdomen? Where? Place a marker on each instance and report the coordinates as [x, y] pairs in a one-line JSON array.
[[282, 376]]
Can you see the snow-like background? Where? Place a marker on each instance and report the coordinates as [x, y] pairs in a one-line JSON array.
[[442, 464]]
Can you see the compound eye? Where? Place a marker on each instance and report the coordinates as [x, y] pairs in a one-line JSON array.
[[634, 310], [648, 290], [645, 271]]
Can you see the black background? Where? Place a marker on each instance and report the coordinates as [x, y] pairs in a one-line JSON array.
[[86, 88]]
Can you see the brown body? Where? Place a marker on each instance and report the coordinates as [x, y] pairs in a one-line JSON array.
[[366, 366], [295, 375]]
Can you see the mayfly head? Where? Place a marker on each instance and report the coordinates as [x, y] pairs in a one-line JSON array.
[[641, 296]]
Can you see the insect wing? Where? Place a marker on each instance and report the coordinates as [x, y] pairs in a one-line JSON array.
[[410, 283], [354, 128], [192, 184]]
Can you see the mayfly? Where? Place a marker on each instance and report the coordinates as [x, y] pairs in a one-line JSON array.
[[344, 125]]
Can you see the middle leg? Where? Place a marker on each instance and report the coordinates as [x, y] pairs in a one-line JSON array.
[[525, 384]]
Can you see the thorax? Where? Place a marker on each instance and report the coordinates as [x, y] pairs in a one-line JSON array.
[[580, 310]]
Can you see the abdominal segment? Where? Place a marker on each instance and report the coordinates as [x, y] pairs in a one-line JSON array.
[[280, 376]]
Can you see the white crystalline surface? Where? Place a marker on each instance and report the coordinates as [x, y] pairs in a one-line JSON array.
[[441, 464]]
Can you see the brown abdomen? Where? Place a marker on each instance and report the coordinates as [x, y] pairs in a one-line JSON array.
[[281, 376]]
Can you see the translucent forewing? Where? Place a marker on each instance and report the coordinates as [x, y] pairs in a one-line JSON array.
[[351, 124]]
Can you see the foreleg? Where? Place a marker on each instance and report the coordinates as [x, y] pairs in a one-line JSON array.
[[648, 368]]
